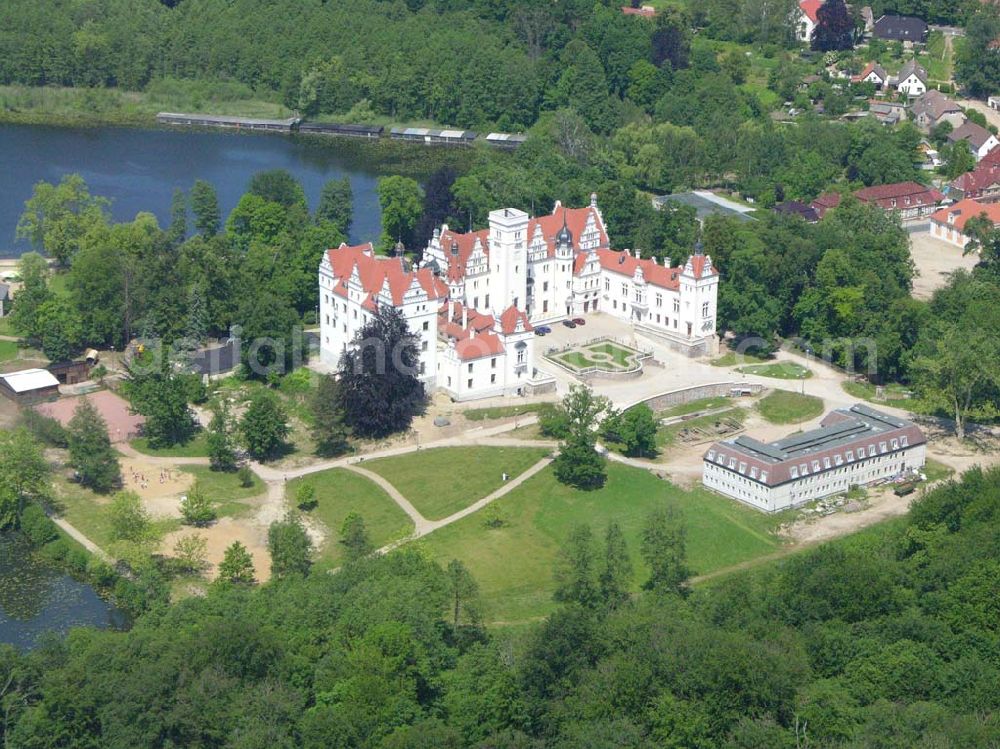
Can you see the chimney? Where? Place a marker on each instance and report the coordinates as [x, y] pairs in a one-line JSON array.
[[628, 252], [638, 254], [666, 261], [465, 316], [451, 310]]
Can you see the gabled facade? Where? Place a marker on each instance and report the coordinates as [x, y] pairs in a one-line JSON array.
[[932, 108], [912, 79], [979, 140], [948, 223], [981, 184], [806, 19], [873, 73]]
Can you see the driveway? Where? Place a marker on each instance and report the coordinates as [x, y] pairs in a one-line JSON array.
[[935, 260]]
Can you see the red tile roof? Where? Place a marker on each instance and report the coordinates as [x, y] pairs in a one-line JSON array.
[[476, 339], [645, 11], [376, 272], [985, 175], [899, 195], [958, 214], [550, 225], [509, 319], [622, 261], [811, 8]]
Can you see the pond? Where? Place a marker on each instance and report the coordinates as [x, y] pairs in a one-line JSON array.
[[37, 598], [139, 168]]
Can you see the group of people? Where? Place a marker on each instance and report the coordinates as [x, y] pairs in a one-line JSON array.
[[140, 480]]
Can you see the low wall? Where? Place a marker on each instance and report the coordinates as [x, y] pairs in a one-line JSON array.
[[664, 401]]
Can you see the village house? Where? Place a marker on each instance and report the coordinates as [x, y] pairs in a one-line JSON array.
[[980, 140], [887, 112], [643, 11], [855, 446], [932, 108], [982, 183], [4, 299], [873, 73], [794, 208], [912, 79], [477, 297], [906, 29], [948, 223], [806, 19]]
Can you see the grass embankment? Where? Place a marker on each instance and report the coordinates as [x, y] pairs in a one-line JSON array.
[[732, 359], [340, 492], [444, 480], [197, 447], [777, 370], [866, 391], [94, 106], [786, 407], [702, 404], [5, 326], [501, 412], [513, 564]]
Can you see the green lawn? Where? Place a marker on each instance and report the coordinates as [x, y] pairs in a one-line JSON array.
[[444, 480], [501, 412], [778, 370], [5, 326], [8, 350], [786, 407], [935, 470], [224, 489], [339, 492], [623, 357], [196, 448], [513, 564], [937, 58]]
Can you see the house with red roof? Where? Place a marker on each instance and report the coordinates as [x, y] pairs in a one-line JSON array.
[[807, 18], [948, 223], [912, 200], [982, 183], [643, 11], [872, 73]]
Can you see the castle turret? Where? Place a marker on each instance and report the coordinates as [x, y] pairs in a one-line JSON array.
[[508, 259]]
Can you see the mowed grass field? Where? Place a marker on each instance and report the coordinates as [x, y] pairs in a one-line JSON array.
[[8, 350], [786, 407], [196, 447], [444, 480], [224, 490], [514, 563], [340, 492], [778, 370]]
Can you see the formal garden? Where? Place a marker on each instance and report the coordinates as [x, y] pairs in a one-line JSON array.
[[603, 355]]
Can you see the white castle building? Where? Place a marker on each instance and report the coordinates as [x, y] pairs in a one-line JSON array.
[[476, 297]]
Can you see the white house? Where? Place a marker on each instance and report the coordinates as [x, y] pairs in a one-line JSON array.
[[980, 140], [873, 73], [948, 223], [806, 19], [852, 447], [912, 79], [477, 297]]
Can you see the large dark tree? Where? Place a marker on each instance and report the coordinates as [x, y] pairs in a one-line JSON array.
[[438, 205], [90, 451], [329, 430], [834, 27], [380, 392]]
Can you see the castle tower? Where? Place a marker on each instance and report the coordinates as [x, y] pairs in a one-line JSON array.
[[508, 259]]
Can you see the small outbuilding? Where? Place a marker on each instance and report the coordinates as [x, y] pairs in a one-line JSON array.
[[29, 386], [4, 299]]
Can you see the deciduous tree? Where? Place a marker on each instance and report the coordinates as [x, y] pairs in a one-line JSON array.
[[289, 546], [264, 425], [236, 565], [665, 551]]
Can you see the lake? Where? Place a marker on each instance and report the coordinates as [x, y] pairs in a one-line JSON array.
[[37, 598], [138, 169]]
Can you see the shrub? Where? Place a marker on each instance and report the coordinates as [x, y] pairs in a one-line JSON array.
[[245, 475], [196, 507], [44, 428], [37, 526], [76, 560], [100, 572]]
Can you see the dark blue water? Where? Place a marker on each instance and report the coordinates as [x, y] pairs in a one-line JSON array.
[[37, 598], [139, 169]]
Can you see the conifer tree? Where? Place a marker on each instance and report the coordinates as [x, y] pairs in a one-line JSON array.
[[90, 451]]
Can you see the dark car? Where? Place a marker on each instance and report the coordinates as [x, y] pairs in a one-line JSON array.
[[543, 330], [569, 323], [579, 321]]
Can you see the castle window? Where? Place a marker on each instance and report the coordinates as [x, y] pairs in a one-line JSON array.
[[470, 384], [704, 309], [794, 472], [904, 441], [427, 325], [493, 379], [677, 305], [423, 346], [607, 284], [659, 300]]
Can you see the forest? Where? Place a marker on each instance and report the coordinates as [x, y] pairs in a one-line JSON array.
[[885, 639]]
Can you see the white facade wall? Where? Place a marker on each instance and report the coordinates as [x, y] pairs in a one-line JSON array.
[[813, 486], [341, 317], [489, 375], [911, 86], [949, 234], [508, 259]]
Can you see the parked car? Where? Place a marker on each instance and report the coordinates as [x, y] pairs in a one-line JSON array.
[[543, 330], [569, 323], [579, 321]]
